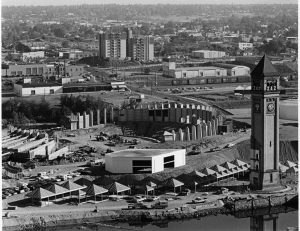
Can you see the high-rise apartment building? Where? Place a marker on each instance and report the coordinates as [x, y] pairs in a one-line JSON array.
[[141, 48], [119, 45], [112, 45]]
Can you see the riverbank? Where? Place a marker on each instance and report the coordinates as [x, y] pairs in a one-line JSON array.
[[36, 222]]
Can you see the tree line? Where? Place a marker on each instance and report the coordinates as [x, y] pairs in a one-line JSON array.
[[20, 111]]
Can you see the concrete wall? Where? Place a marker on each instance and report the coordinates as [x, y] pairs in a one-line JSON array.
[[58, 153], [174, 114], [30, 145], [86, 121], [43, 150]]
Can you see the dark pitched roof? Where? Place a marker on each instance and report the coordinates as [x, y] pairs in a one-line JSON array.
[[72, 186], [264, 69], [95, 190], [117, 188]]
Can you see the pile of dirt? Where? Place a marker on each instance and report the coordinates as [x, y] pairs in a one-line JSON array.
[[288, 150]]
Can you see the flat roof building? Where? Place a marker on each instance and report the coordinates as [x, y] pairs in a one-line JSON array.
[[208, 54], [170, 70], [144, 160], [112, 45], [28, 88]]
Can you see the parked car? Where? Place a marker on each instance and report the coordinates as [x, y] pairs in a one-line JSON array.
[[198, 200], [160, 205], [139, 198]]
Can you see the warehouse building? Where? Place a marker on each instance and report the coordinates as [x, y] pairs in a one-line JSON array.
[[234, 70], [208, 54], [144, 160], [170, 70]]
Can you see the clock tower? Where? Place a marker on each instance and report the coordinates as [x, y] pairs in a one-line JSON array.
[[265, 126]]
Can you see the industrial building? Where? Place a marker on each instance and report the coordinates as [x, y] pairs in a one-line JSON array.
[[170, 70], [45, 70], [208, 54], [234, 70], [144, 160], [112, 45]]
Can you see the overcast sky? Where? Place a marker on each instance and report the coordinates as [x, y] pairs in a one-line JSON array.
[[78, 2]]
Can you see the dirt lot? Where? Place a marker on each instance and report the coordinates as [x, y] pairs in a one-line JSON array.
[[87, 137]]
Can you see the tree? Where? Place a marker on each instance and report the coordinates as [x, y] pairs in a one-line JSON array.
[[15, 118], [65, 44], [59, 32], [22, 48]]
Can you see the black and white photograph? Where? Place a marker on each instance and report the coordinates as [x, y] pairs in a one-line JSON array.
[[149, 115]]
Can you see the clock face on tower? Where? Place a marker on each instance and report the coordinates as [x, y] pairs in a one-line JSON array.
[[271, 107]]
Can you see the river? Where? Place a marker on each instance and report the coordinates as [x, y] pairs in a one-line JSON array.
[[276, 222]]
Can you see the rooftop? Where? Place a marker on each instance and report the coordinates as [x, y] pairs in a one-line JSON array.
[[199, 68], [207, 51], [141, 152], [264, 69]]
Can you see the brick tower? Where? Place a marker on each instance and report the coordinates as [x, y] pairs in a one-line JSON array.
[[265, 126]]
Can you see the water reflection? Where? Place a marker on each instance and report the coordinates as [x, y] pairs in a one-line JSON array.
[[264, 222], [256, 220]]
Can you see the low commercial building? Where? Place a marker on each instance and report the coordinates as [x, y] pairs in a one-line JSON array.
[[144, 160], [208, 54], [26, 56], [172, 71], [71, 54], [245, 46], [28, 88]]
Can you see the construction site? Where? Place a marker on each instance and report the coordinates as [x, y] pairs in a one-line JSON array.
[[160, 152]]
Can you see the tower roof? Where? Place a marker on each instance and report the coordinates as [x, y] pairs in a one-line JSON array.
[[264, 68]]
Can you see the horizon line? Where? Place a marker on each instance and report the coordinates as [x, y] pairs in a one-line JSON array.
[[153, 4]]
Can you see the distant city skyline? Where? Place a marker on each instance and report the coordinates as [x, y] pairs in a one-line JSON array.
[[128, 2]]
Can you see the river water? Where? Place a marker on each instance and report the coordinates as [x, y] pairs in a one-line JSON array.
[[276, 222]]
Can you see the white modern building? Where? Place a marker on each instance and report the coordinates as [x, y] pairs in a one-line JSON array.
[[245, 46], [26, 88], [208, 54], [144, 160], [170, 70]]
